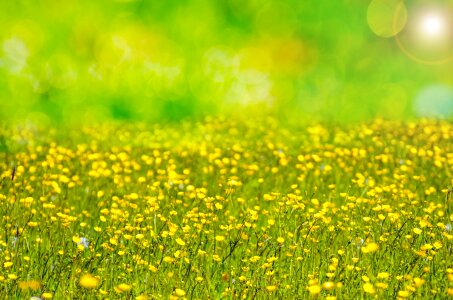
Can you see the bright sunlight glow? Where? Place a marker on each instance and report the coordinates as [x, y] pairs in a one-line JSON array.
[[433, 25]]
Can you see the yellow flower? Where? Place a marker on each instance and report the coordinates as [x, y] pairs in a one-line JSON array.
[[123, 288], [280, 240], [34, 285], [216, 257], [417, 230], [219, 238], [426, 247], [152, 268], [271, 288], [46, 296], [7, 264], [168, 259], [314, 289], [403, 294], [437, 244], [418, 281], [382, 285], [31, 284], [328, 285], [383, 275], [369, 288], [180, 293], [370, 248], [180, 242], [254, 258], [89, 281]]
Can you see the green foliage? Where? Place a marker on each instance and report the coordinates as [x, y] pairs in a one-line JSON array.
[[70, 61]]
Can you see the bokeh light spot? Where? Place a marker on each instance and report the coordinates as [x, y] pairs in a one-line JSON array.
[[432, 25], [387, 18], [434, 101], [15, 55]]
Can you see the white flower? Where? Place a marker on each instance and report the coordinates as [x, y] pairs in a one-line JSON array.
[[84, 242]]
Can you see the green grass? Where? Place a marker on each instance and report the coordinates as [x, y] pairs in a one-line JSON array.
[[227, 209]]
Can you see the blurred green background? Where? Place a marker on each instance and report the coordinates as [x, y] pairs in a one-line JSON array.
[[346, 60]]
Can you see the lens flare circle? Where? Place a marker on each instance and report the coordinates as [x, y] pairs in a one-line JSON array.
[[433, 25], [387, 18]]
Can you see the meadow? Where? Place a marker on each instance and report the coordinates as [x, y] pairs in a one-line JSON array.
[[230, 209]]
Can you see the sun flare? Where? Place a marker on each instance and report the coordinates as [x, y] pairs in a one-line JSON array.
[[433, 25]]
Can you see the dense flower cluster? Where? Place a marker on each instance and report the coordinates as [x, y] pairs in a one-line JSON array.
[[234, 209]]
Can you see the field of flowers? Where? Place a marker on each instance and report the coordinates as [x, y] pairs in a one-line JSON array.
[[227, 209]]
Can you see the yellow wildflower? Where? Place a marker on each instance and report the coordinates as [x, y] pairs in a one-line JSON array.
[[180, 293], [369, 288], [89, 281]]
